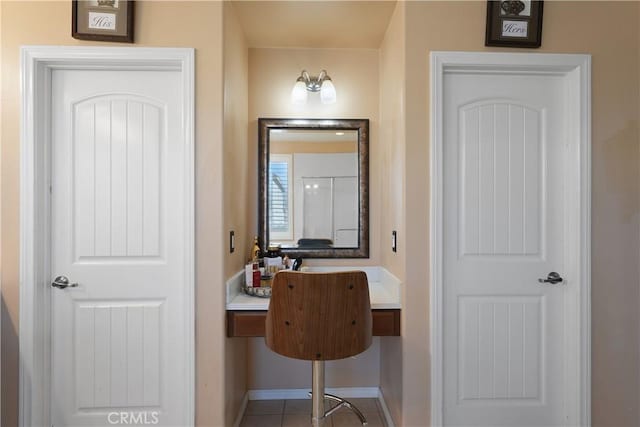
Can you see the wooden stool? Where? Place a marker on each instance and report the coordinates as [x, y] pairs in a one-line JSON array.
[[318, 317]]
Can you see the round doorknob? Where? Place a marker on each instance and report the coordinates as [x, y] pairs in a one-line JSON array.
[[552, 278], [62, 282]]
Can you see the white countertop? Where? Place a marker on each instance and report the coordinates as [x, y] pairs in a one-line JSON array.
[[384, 289]]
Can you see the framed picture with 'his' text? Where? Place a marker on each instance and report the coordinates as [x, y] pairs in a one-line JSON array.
[[102, 20]]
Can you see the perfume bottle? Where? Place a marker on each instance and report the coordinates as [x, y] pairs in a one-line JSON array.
[[255, 250]]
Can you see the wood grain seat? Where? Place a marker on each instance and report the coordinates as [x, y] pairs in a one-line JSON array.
[[318, 317]]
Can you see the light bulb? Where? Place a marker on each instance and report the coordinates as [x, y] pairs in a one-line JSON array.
[[328, 92], [299, 93]]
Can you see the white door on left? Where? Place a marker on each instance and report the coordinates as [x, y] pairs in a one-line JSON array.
[[119, 339]]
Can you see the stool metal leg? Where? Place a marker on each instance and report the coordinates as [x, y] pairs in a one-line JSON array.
[[342, 402], [317, 397]]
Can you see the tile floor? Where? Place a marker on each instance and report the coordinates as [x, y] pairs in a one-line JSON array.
[[297, 413]]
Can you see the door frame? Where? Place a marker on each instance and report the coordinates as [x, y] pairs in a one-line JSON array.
[[577, 219], [37, 64]]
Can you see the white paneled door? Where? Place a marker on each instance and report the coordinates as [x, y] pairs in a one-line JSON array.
[[504, 147], [118, 339]]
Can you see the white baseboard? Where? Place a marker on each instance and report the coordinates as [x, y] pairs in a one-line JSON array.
[[385, 409], [243, 408], [303, 393]]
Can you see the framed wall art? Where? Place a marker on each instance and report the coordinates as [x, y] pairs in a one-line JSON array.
[[514, 23], [102, 20]]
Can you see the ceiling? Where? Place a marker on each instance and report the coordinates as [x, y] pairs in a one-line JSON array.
[[314, 23]]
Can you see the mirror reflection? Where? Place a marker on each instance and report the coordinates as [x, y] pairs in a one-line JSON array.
[[314, 191], [313, 188]]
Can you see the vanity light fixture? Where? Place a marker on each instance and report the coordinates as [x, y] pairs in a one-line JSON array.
[[306, 83]]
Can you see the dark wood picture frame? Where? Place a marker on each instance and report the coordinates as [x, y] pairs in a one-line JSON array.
[[514, 23], [115, 15]]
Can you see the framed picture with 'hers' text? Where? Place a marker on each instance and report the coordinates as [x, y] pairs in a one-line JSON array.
[[514, 23], [102, 20]]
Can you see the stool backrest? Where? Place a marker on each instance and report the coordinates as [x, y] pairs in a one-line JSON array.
[[319, 316]]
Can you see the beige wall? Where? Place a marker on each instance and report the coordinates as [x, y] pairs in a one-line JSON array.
[[182, 24], [291, 147], [236, 191], [268, 370], [272, 73], [237, 145], [2, 306], [392, 142], [392, 137], [608, 31]]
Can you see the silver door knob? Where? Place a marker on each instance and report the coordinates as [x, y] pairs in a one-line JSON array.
[[62, 282], [552, 278]]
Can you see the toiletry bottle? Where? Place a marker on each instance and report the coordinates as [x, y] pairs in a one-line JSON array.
[[257, 275], [273, 259], [248, 275], [274, 250], [255, 250]]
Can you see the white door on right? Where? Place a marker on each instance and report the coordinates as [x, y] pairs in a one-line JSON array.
[[504, 142]]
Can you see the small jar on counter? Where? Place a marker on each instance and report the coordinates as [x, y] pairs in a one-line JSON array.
[[265, 281], [273, 259], [274, 250]]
